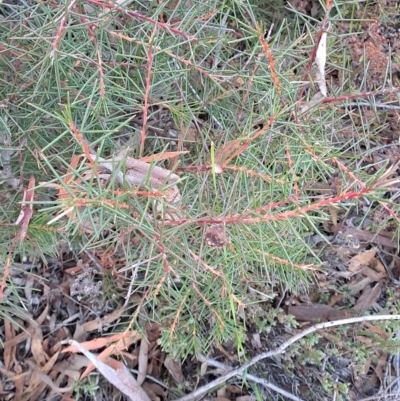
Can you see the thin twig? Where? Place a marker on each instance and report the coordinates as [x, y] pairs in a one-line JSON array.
[[386, 91], [139, 16], [373, 105], [147, 92], [299, 212], [238, 371], [60, 31], [252, 378]]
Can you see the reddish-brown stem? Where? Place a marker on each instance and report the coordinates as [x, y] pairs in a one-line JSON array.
[[362, 185], [60, 31], [159, 49], [83, 143], [243, 219], [139, 16], [271, 61], [253, 174], [385, 91], [208, 303], [163, 253], [287, 262], [92, 36], [177, 314], [146, 95]]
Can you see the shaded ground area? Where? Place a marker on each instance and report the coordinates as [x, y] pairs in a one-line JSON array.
[[85, 296]]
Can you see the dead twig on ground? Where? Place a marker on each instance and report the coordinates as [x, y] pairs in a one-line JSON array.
[[238, 371], [252, 378]]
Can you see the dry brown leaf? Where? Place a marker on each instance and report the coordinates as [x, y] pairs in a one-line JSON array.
[[358, 286], [60, 390], [72, 366], [104, 341], [36, 385], [150, 393], [162, 156], [9, 352], [114, 348], [98, 323], [153, 389], [18, 339], [378, 266], [79, 333], [335, 299], [37, 346], [376, 330], [137, 171], [364, 235], [26, 209], [152, 332], [18, 383], [256, 340], [381, 365], [224, 154], [365, 340], [120, 378], [143, 360], [232, 388], [372, 274], [175, 370], [368, 297], [361, 259]]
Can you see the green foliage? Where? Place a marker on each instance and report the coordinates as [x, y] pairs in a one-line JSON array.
[[87, 386], [77, 80]]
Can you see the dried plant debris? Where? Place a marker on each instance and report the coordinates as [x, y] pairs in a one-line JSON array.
[[216, 236], [85, 285]]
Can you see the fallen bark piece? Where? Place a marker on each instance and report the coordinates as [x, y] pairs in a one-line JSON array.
[[316, 313]]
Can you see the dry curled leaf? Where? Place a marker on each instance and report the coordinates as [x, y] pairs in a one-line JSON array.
[[369, 296], [37, 346], [26, 209], [225, 153], [175, 370], [154, 391], [162, 156], [36, 385], [361, 259], [9, 352]]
